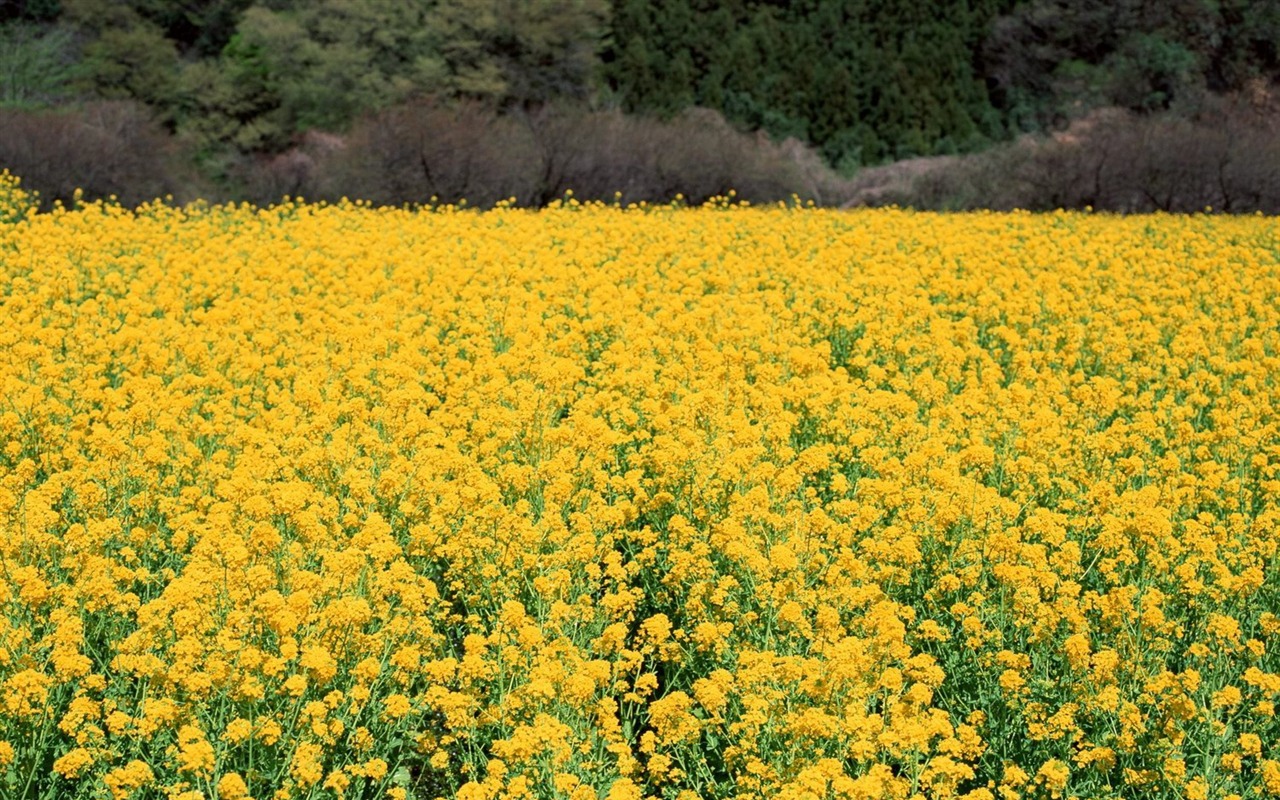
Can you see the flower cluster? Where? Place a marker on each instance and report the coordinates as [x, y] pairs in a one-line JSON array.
[[601, 504]]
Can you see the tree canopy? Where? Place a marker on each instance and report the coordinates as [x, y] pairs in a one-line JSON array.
[[863, 81]]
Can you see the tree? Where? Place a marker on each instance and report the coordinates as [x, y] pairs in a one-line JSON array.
[[133, 62], [861, 79], [1049, 60], [232, 101], [520, 52], [199, 28], [328, 61], [29, 10], [37, 64], [294, 65], [126, 56]]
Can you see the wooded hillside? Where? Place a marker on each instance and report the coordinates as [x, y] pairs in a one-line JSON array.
[[861, 82]]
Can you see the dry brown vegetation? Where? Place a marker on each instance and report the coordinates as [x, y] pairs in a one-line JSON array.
[[104, 148], [450, 152], [1225, 156]]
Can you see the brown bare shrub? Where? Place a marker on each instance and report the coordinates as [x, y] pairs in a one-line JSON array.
[[109, 148], [414, 153], [454, 151], [267, 178], [1225, 157], [605, 155]]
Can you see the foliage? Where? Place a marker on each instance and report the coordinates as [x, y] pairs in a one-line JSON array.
[[519, 52], [133, 63], [29, 10], [37, 64], [862, 81], [1049, 60], [328, 62]]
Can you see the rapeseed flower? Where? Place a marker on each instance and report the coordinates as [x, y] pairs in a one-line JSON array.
[[665, 503]]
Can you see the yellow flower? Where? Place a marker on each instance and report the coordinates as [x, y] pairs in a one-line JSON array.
[[294, 685], [1053, 776], [319, 664], [73, 764], [268, 731], [122, 781], [397, 706], [1227, 697], [337, 782], [25, 693], [623, 789], [616, 491], [1269, 770], [1197, 789], [195, 753], [375, 769], [238, 730], [231, 786], [306, 766], [1078, 651], [672, 720], [1012, 681]]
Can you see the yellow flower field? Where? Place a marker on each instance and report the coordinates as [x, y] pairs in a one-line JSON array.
[[337, 502]]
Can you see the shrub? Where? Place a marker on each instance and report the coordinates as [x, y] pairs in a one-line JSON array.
[[455, 151], [603, 154], [415, 152], [1224, 157], [104, 148]]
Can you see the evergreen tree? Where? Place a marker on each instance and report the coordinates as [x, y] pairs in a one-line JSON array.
[[864, 80]]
